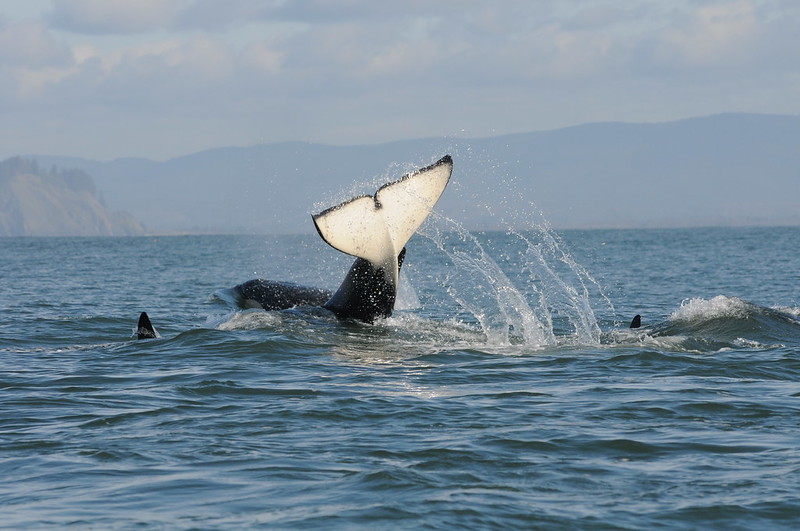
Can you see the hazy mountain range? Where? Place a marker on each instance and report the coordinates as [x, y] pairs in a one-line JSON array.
[[39, 202], [731, 169]]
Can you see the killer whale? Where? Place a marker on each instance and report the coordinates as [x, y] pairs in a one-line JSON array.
[[145, 329], [277, 295], [363, 295], [374, 229]]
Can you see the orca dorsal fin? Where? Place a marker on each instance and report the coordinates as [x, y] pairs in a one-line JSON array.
[[637, 321], [145, 329], [376, 228]]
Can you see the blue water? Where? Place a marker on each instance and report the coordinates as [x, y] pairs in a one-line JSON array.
[[506, 393]]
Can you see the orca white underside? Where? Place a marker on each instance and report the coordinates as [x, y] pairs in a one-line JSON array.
[[376, 228]]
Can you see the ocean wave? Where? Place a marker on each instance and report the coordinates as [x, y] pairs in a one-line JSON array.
[[246, 320], [698, 309]]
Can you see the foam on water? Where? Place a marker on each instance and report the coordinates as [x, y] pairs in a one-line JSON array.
[[699, 309], [789, 311], [246, 320]]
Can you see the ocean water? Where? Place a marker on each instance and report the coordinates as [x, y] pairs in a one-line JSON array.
[[507, 391]]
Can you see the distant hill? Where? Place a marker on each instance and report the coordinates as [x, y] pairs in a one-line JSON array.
[[730, 169], [37, 202]]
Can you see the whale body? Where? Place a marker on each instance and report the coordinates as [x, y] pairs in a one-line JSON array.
[[375, 230]]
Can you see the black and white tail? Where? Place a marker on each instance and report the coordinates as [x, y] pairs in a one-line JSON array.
[[376, 228]]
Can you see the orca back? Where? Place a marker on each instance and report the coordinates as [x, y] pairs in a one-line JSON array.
[[365, 294], [274, 295]]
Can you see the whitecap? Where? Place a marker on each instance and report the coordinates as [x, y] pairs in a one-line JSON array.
[[699, 309]]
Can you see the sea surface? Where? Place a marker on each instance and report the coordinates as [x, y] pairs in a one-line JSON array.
[[507, 391]]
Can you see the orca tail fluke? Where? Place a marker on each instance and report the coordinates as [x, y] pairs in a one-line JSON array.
[[145, 329], [637, 321], [376, 228]]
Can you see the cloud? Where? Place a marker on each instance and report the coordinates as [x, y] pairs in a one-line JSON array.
[[30, 45], [348, 71], [716, 34], [263, 57], [213, 15], [31, 58], [149, 78], [325, 12], [594, 17], [113, 17]]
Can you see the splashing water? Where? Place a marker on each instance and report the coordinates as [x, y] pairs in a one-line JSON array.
[[698, 309], [536, 295], [520, 286], [565, 292]]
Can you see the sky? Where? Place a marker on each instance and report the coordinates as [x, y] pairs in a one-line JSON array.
[[163, 78]]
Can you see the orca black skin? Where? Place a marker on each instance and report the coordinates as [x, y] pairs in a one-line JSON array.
[[274, 295], [145, 330], [364, 294]]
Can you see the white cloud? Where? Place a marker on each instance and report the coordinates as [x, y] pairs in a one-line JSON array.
[[593, 17], [263, 57], [198, 56], [357, 71], [716, 34], [31, 58], [29, 44]]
